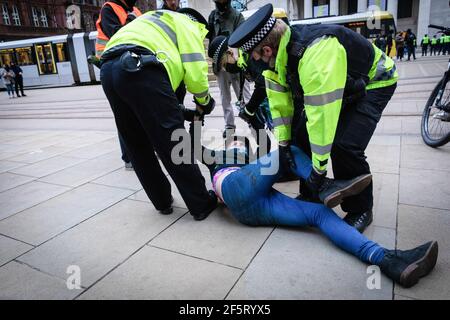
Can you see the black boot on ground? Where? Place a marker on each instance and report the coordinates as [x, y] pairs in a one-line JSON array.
[[211, 206], [359, 221], [167, 210], [406, 267], [332, 192]]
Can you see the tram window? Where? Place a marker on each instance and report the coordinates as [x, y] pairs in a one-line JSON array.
[[24, 56], [61, 52], [6, 56], [45, 58]]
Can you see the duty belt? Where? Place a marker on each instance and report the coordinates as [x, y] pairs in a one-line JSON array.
[[132, 58]]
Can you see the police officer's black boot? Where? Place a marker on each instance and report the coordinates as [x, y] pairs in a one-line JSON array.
[[406, 267], [169, 209], [331, 192], [359, 221], [212, 204]]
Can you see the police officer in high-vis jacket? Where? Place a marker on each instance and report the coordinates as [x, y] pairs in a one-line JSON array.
[[344, 83], [142, 66]]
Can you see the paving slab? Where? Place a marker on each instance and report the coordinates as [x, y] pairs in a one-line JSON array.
[[46, 167], [421, 156], [20, 282], [94, 150], [385, 199], [219, 238], [86, 171], [9, 165], [27, 195], [384, 158], [102, 242], [48, 219], [417, 225], [35, 154], [427, 188], [11, 180], [302, 264], [121, 178], [153, 273], [11, 249]]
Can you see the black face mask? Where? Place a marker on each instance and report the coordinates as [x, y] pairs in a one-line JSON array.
[[223, 7], [232, 68], [260, 64], [130, 3]]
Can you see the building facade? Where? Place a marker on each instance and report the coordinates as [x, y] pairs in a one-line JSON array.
[[22, 19], [408, 14]]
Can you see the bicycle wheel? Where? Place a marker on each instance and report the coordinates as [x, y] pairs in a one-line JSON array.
[[435, 131]]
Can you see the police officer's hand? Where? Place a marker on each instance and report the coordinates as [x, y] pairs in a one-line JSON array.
[[188, 114], [315, 181], [207, 108], [286, 157], [245, 115], [131, 16]]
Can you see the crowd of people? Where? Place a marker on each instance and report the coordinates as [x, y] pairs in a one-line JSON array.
[[323, 89], [12, 76]]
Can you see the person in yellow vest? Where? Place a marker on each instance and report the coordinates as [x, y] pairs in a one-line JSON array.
[[424, 43], [113, 16], [434, 45], [143, 64]]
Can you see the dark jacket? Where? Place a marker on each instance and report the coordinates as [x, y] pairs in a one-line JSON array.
[[223, 24], [110, 22], [17, 70]]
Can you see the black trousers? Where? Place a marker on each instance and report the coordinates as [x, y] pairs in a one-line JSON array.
[[356, 126], [411, 51], [146, 112], [19, 84]]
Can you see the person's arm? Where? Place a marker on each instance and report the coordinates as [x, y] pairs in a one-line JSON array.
[[192, 52], [323, 74], [110, 22]]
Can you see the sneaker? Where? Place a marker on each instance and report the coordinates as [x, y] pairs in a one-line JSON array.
[[359, 221], [332, 192], [212, 205], [406, 267], [128, 166], [169, 209], [24, 95]]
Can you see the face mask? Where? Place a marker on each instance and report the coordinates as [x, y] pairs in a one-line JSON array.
[[130, 3], [222, 7], [232, 68]]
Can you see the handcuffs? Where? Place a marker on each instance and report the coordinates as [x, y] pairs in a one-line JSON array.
[[133, 62]]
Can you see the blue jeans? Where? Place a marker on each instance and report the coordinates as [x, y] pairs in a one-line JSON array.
[[252, 200]]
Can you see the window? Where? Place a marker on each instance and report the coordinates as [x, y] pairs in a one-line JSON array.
[[61, 52], [24, 56], [404, 9], [321, 8], [15, 15], [45, 58], [6, 56], [35, 15], [5, 14], [352, 6], [379, 3], [44, 18]]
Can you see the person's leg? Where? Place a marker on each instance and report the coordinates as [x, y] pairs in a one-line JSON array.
[[21, 85], [355, 129], [140, 147], [16, 87], [153, 101], [123, 149], [224, 81]]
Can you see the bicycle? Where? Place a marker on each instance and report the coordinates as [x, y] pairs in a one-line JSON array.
[[435, 127]]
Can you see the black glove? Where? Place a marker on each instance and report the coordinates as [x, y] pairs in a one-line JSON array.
[[130, 17], [251, 119], [286, 157], [188, 114], [315, 181], [207, 108]]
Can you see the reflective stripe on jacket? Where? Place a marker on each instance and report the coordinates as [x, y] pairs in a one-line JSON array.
[[177, 41], [102, 39]]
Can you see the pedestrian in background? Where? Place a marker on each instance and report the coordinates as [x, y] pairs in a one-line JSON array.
[[222, 22], [424, 43], [18, 79], [8, 79], [172, 5], [411, 43], [400, 44]]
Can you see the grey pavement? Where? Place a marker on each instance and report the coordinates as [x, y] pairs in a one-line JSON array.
[[67, 202]]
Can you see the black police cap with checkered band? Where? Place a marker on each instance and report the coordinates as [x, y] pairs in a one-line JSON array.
[[193, 15], [250, 33], [216, 50]]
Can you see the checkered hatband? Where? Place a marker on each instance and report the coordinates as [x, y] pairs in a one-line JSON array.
[[259, 36], [216, 53]]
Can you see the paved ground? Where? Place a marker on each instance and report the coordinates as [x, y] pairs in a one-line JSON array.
[[65, 200]]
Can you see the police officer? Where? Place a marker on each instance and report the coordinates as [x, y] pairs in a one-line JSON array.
[[113, 16], [143, 65], [325, 65], [424, 43]]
